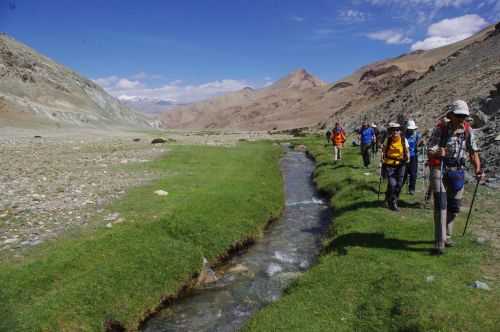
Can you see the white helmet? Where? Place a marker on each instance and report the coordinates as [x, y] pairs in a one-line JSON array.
[[459, 107], [411, 125]]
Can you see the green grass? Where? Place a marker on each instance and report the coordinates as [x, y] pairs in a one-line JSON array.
[[217, 198], [373, 273]]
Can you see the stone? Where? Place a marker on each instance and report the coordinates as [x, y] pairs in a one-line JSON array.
[[109, 225], [207, 275], [480, 285], [430, 279], [10, 241], [239, 268], [161, 193], [112, 216], [158, 141]]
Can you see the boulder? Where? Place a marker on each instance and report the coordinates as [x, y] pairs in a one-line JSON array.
[[158, 141]]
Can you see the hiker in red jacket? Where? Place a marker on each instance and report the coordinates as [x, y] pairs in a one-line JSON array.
[[338, 139], [448, 148]]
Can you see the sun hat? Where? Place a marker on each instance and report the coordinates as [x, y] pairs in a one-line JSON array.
[[459, 107], [394, 125], [373, 125], [411, 125]]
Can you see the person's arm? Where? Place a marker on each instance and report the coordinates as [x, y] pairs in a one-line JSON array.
[[474, 155]]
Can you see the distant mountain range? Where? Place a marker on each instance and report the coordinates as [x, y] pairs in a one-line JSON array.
[[35, 91], [152, 106], [302, 100]]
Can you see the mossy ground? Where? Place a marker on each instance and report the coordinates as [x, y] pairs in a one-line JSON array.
[[376, 273], [217, 197]]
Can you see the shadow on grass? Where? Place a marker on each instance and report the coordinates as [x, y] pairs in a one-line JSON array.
[[373, 240]]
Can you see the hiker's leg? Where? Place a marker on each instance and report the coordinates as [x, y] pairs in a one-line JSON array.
[[412, 171], [340, 152], [366, 154], [392, 184], [399, 178], [440, 201], [335, 152], [453, 208]]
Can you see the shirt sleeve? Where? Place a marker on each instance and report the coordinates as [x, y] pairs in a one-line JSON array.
[[434, 140], [472, 143]]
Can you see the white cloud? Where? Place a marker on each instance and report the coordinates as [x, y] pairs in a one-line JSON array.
[[352, 16], [126, 84], [297, 18], [449, 31], [128, 89], [429, 3], [106, 81], [391, 37]]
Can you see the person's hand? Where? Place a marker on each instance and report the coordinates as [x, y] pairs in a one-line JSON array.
[[479, 175]]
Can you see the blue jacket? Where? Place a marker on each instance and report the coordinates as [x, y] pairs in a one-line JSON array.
[[413, 140], [367, 135]]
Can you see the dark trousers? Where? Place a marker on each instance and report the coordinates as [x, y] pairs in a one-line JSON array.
[[365, 152], [395, 176], [411, 173]]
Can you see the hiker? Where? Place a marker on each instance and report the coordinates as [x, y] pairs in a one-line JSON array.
[[366, 138], [328, 135], [448, 147], [375, 141], [414, 139], [338, 140], [395, 156]]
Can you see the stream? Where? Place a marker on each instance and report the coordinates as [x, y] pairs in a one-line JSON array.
[[258, 275]]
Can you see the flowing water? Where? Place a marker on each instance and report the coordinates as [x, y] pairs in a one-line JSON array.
[[258, 275]]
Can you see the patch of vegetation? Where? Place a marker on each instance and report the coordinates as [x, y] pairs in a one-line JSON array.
[[375, 273], [217, 197]]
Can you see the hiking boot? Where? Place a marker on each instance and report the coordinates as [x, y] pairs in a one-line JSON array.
[[449, 243], [437, 252], [412, 192]]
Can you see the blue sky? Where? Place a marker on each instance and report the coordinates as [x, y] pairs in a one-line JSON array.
[[189, 50]]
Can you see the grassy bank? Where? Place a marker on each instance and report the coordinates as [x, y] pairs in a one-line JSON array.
[[376, 273], [217, 197]]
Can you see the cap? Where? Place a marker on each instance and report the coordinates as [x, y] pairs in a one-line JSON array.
[[459, 107], [411, 125], [394, 125], [373, 125]]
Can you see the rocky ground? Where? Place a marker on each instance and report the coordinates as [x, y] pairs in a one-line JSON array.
[[62, 181]]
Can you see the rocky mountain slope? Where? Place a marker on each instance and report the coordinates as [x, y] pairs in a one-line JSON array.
[[35, 91], [301, 100]]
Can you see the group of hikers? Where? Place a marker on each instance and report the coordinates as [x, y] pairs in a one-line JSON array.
[[448, 146]]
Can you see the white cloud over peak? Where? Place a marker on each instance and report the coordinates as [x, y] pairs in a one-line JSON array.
[[449, 31], [391, 37]]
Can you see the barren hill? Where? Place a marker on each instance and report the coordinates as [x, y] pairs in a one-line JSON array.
[[35, 90], [301, 100]]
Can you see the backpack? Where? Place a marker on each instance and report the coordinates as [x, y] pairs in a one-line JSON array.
[[443, 127], [405, 149]]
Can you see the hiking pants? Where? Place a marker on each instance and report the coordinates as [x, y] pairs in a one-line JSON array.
[[374, 148], [411, 173], [395, 176], [337, 152], [446, 207], [365, 152]]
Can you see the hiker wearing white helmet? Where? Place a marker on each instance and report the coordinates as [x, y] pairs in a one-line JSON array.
[[395, 156], [413, 137], [448, 147]]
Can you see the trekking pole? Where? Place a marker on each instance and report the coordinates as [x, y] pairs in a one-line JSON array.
[[471, 205], [380, 182]]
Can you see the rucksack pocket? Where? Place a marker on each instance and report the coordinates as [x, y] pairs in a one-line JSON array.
[[455, 179]]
